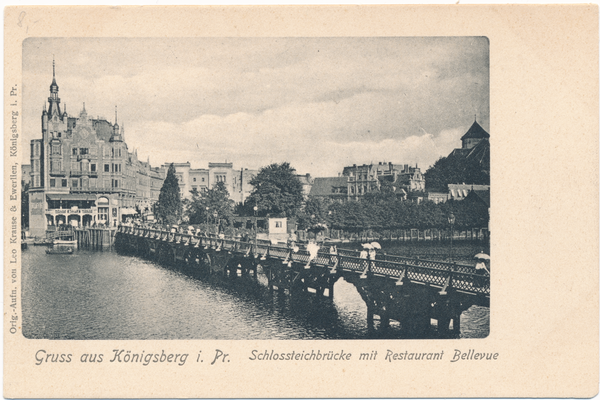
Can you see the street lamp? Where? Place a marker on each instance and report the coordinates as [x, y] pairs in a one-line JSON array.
[[451, 220], [216, 215], [255, 224], [206, 217]]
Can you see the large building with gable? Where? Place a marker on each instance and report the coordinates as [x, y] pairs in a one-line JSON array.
[[82, 172]]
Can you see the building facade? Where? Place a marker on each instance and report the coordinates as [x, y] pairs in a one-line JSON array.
[[367, 178], [237, 182], [82, 172]]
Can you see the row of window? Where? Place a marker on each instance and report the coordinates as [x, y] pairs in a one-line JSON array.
[[84, 183], [359, 190], [56, 149], [82, 151], [221, 178], [83, 166]]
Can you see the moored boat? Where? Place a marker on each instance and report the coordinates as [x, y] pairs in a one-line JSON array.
[[59, 242], [60, 250]]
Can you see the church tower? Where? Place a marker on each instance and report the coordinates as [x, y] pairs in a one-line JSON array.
[[474, 135]]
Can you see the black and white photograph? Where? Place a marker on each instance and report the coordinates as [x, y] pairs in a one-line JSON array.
[[256, 188], [296, 201]]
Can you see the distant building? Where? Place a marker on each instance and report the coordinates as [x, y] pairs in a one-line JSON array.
[[461, 191], [237, 182], [335, 188], [475, 146], [357, 180], [480, 196], [307, 182], [366, 178], [437, 197]]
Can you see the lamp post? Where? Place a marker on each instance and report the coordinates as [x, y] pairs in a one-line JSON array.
[[255, 227], [216, 215], [451, 220], [206, 217], [255, 224]]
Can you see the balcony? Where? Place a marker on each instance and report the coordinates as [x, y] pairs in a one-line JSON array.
[[84, 173]]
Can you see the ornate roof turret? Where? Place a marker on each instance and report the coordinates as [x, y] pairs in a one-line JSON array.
[[53, 100], [53, 86], [116, 135]]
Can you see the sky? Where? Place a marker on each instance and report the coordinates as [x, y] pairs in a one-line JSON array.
[[318, 103]]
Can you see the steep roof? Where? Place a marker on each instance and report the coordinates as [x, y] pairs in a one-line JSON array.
[[481, 153], [481, 195], [475, 132], [324, 186]]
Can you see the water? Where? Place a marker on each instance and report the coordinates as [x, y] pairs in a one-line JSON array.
[[104, 295]]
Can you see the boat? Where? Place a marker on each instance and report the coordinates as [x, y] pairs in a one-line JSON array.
[[43, 242], [60, 250], [59, 242]]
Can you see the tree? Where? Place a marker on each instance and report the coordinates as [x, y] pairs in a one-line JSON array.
[[456, 169], [169, 208], [205, 204], [277, 190], [314, 213]]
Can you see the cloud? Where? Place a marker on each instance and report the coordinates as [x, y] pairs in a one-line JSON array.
[[320, 103]]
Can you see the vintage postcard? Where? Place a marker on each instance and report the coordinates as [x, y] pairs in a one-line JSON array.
[[268, 202]]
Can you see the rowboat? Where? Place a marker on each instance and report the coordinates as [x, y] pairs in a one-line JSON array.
[[60, 250]]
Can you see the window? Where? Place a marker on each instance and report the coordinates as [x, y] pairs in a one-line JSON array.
[[64, 183], [194, 179], [52, 182], [202, 179], [102, 213], [115, 183], [56, 148], [278, 224], [59, 134], [93, 167], [74, 183], [221, 178], [106, 167], [75, 151], [83, 151]]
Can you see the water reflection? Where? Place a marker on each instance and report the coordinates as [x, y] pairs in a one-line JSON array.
[[104, 295]]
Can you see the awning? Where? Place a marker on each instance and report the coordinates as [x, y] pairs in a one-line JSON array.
[[128, 211], [71, 197]]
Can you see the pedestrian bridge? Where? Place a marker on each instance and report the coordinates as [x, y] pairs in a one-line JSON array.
[[411, 291]]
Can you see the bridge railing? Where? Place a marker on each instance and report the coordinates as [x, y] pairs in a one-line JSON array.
[[434, 273], [415, 261]]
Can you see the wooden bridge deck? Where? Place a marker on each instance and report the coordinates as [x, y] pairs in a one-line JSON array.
[[442, 275]]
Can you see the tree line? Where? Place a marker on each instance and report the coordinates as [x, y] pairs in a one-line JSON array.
[[278, 193]]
